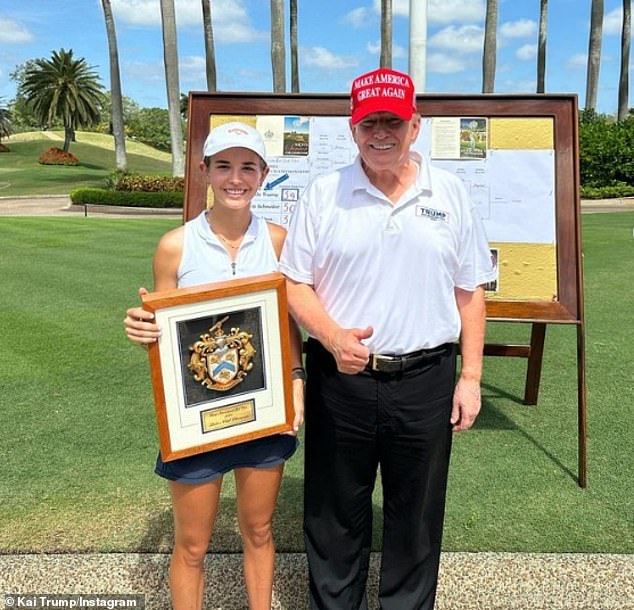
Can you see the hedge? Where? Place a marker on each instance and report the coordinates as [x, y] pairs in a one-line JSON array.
[[128, 181], [606, 151], [133, 199], [607, 192]]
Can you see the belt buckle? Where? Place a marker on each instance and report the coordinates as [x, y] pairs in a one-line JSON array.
[[377, 359]]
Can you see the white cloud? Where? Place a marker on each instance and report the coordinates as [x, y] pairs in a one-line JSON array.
[[358, 17], [613, 22], [526, 52], [462, 11], [464, 39], [137, 12], [521, 86], [12, 32], [144, 71], [577, 61], [398, 52], [441, 11], [440, 63], [192, 69], [518, 29], [231, 21], [319, 57]]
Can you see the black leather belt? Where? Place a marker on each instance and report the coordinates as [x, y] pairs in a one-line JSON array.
[[386, 363]]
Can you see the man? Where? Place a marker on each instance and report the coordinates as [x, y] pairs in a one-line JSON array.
[[385, 261]]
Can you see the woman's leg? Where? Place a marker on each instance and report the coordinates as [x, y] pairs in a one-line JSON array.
[[195, 509], [257, 490]]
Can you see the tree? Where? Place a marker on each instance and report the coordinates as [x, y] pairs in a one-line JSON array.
[[24, 118], [278, 55], [386, 34], [541, 46], [210, 53], [294, 57], [130, 107], [63, 88], [5, 122], [151, 126], [490, 47], [594, 54], [118, 127], [170, 55], [624, 78]]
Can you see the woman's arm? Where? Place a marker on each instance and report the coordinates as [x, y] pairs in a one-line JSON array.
[[138, 323], [278, 235]]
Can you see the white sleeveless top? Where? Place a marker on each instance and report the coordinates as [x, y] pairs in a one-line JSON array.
[[205, 259]]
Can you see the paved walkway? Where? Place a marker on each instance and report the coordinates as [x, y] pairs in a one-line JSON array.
[[60, 205], [468, 581]]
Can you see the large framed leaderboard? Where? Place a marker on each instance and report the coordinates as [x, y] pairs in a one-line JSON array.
[[517, 156]]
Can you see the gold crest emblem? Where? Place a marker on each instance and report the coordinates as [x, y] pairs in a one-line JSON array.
[[220, 361]]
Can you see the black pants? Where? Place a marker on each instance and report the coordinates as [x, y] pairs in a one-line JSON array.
[[354, 424]]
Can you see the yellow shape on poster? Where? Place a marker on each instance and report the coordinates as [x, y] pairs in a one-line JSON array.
[[521, 134], [526, 272]]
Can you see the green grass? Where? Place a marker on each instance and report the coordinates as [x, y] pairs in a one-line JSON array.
[[78, 432], [21, 174]]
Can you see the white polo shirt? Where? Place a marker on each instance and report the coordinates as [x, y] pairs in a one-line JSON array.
[[392, 267]]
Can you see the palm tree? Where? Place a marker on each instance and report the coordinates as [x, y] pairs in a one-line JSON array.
[[541, 46], [386, 34], [118, 129], [210, 53], [624, 79], [294, 58], [490, 44], [278, 56], [63, 88], [5, 122], [170, 55], [594, 54]]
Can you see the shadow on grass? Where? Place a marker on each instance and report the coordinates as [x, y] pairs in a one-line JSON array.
[[287, 523], [492, 418]]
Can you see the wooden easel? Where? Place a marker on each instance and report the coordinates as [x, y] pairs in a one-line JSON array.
[[534, 353]]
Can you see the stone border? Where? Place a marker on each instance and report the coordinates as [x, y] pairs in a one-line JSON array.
[[468, 581]]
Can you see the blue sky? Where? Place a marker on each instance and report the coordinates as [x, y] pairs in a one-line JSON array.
[[338, 40]]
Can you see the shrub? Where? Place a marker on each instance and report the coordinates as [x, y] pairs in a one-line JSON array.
[[57, 156], [123, 181], [606, 151], [135, 199], [607, 192]]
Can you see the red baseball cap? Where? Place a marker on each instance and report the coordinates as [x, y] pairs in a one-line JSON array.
[[382, 90]]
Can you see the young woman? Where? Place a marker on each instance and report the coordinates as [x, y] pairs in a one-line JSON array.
[[224, 242]]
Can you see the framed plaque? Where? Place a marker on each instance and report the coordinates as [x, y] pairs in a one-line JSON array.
[[221, 368]]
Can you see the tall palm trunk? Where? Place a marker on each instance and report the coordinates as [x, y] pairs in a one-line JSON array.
[[386, 34], [594, 54], [294, 57], [541, 46], [278, 55], [69, 136], [210, 53], [624, 78], [170, 55], [118, 128], [490, 47]]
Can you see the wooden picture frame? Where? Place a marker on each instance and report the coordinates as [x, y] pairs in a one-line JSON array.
[[221, 368]]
